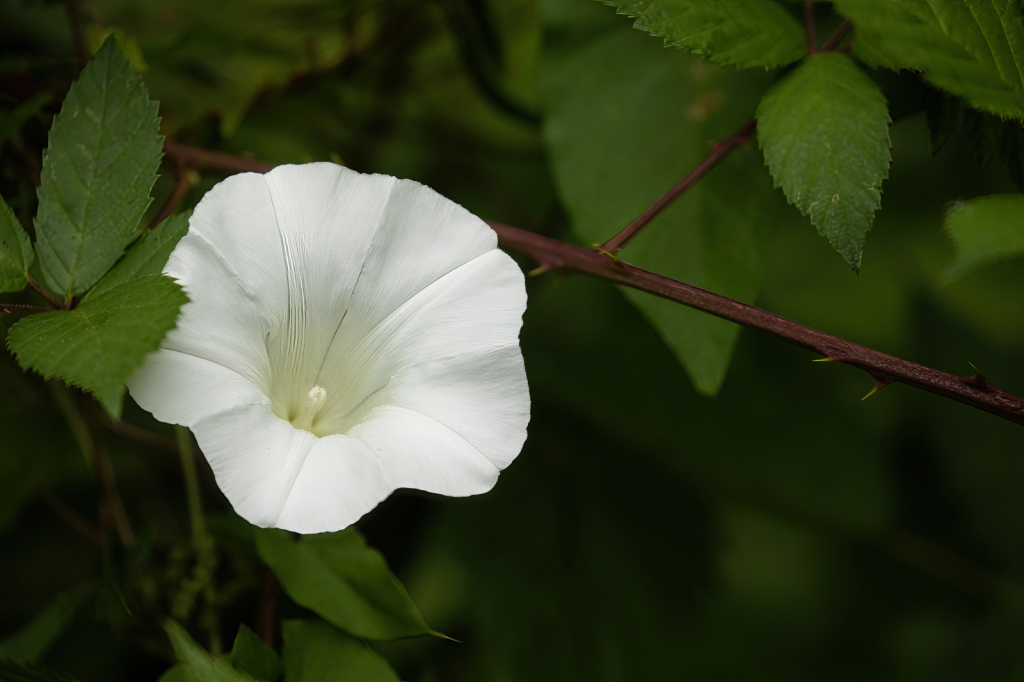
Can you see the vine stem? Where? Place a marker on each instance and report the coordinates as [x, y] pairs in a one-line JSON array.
[[195, 502], [44, 293], [975, 391], [812, 31], [833, 40], [885, 369]]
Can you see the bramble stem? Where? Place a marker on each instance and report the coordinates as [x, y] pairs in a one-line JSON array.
[[195, 503], [44, 293], [833, 40], [718, 152], [812, 31], [975, 391]]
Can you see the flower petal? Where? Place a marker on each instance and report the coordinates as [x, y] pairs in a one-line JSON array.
[[181, 389], [256, 457], [339, 483], [475, 308]]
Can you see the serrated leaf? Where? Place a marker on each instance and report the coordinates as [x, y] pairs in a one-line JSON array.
[[985, 230], [625, 119], [742, 33], [147, 256], [99, 344], [316, 652], [824, 130], [101, 162], [969, 47], [252, 656], [197, 664], [16, 254], [343, 581], [30, 643]]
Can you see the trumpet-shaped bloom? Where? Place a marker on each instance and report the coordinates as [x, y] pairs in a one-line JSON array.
[[347, 335]]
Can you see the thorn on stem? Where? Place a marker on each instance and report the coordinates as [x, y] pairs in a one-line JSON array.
[[881, 381], [978, 381]]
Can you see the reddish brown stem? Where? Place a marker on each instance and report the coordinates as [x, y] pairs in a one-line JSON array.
[[19, 307], [134, 433], [196, 157], [833, 40], [267, 608], [812, 31], [181, 187], [718, 152], [974, 391], [45, 294]]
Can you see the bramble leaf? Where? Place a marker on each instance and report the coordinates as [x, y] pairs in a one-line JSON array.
[[147, 256], [665, 109], [101, 162], [969, 47], [824, 130], [16, 254], [314, 651], [342, 580], [100, 343], [742, 33], [985, 230]]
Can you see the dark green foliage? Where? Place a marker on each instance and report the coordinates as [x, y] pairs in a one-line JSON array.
[[824, 130], [100, 343], [985, 230], [16, 254], [666, 108], [316, 652], [969, 47], [252, 656], [742, 33], [100, 164], [341, 579], [146, 257]]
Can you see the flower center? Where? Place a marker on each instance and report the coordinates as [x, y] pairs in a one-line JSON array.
[[314, 401]]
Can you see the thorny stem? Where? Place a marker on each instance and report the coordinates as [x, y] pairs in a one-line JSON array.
[[975, 391], [141, 436], [178, 193], [196, 157], [718, 152], [195, 503], [833, 40], [812, 31], [11, 307]]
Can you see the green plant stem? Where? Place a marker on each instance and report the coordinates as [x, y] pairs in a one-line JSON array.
[[97, 460], [195, 503]]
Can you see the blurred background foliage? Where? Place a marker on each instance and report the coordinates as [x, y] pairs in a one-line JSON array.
[[782, 530]]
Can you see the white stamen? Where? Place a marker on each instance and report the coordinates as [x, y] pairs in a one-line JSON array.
[[314, 401]]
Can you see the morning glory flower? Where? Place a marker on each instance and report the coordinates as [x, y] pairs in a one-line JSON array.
[[347, 335]]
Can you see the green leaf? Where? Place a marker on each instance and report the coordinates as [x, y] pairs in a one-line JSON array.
[[252, 656], [969, 47], [147, 256], [98, 345], [197, 664], [316, 652], [99, 167], [825, 133], [743, 33], [16, 254], [625, 119], [30, 643], [12, 671], [342, 580], [985, 230]]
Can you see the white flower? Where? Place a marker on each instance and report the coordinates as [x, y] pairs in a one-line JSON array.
[[347, 335]]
